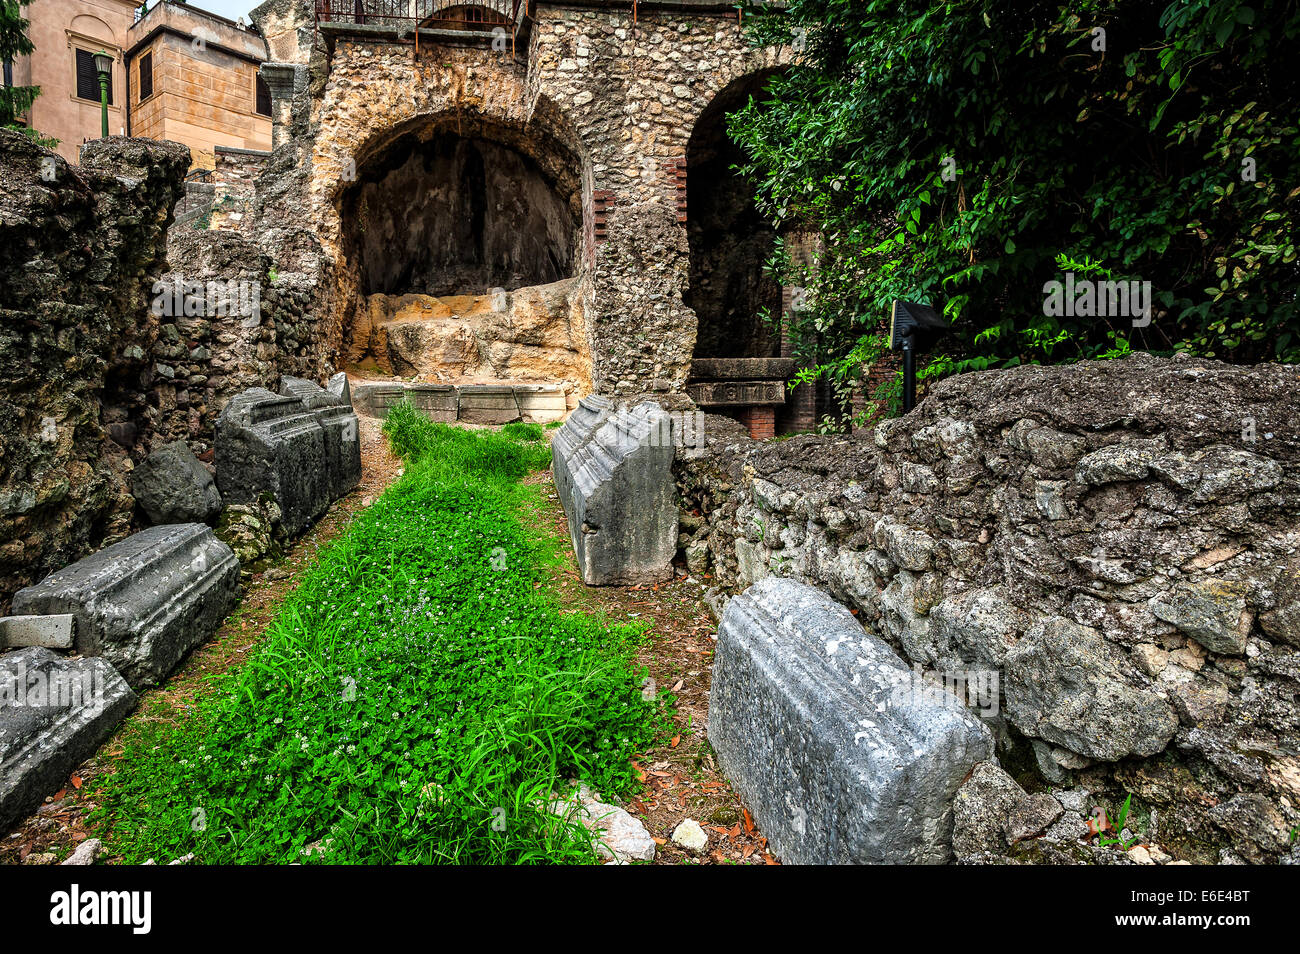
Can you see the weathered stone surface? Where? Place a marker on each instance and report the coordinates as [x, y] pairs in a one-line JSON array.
[[1063, 685], [613, 475], [54, 713], [619, 836], [172, 486], [488, 404], [1211, 611], [48, 632], [374, 400], [840, 752], [144, 602], [334, 414], [81, 247], [981, 809], [268, 444], [1172, 491]]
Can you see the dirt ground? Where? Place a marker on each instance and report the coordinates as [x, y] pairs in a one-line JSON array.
[[680, 775]]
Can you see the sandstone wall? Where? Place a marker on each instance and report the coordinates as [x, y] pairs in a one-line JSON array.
[[82, 246], [1116, 541]]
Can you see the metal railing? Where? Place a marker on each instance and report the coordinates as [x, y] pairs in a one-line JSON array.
[[482, 16]]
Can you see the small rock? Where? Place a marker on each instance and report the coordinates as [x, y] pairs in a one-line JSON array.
[[1140, 856], [1032, 816], [85, 853], [691, 836], [41, 858]]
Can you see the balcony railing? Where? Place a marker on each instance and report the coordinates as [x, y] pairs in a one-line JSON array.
[[484, 16]]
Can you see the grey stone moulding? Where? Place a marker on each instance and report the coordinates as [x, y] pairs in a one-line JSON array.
[[144, 602], [332, 408], [270, 444], [841, 752], [54, 713], [613, 473], [472, 403]]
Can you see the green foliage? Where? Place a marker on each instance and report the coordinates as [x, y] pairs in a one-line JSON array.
[[14, 100], [415, 700], [523, 431], [1134, 160]]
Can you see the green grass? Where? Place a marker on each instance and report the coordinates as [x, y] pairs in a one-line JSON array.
[[416, 699]]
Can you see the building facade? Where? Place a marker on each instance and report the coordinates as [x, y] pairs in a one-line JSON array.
[[178, 73], [193, 78], [67, 34]]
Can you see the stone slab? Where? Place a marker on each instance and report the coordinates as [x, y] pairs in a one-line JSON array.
[[488, 404], [54, 713], [842, 754], [741, 369], [333, 412], [144, 602], [541, 403], [50, 632], [374, 400], [271, 444], [613, 471], [438, 402]]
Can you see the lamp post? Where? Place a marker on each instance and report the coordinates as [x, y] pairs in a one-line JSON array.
[[103, 66], [912, 328]]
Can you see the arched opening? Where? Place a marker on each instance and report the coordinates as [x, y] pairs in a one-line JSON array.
[[729, 239], [442, 213], [461, 241]]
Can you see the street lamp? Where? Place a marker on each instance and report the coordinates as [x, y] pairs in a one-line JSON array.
[[103, 66], [912, 328]]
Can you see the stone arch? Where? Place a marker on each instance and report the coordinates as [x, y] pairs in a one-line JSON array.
[[729, 239], [409, 131]]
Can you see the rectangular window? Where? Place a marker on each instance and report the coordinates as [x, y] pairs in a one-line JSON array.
[[146, 76], [263, 97], [88, 78]]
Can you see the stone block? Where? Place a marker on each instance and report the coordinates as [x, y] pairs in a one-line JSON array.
[[438, 402], [50, 632], [172, 486], [488, 404], [54, 713], [374, 400], [613, 472], [339, 422], [269, 444], [841, 752], [144, 602], [541, 403]]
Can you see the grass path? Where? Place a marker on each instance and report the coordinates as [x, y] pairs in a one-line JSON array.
[[416, 699]]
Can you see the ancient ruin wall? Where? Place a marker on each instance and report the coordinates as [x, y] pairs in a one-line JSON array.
[[1117, 541], [82, 247], [617, 99]]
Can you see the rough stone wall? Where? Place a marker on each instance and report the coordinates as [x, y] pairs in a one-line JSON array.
[[223, 339], [82, 247], [1116, 541], [609, 101]]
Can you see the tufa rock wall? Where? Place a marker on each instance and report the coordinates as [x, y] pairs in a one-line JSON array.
[[1116, 542], [82, 247]]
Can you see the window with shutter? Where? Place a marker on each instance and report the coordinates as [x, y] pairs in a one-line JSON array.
[[88, 78], [146, 76], [263, 97]]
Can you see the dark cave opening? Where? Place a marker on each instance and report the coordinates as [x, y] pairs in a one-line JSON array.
[[729, 240], [439, 213]]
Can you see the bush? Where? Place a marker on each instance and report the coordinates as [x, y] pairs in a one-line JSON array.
[[967, 153]]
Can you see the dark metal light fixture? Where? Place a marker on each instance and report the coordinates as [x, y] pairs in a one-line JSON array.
[[913, 327], [103, 66]]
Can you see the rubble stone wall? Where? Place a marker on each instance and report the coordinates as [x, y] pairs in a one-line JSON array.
[[83, 245], [1118, 543]]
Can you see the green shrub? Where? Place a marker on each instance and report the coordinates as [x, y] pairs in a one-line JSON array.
[[416, 699], [968, 152]]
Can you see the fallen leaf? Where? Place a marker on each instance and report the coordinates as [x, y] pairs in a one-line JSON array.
[[76, 782], [749, 821], [673, 743]]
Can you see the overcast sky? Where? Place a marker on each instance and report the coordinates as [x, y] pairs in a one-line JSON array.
[[230, 9]]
